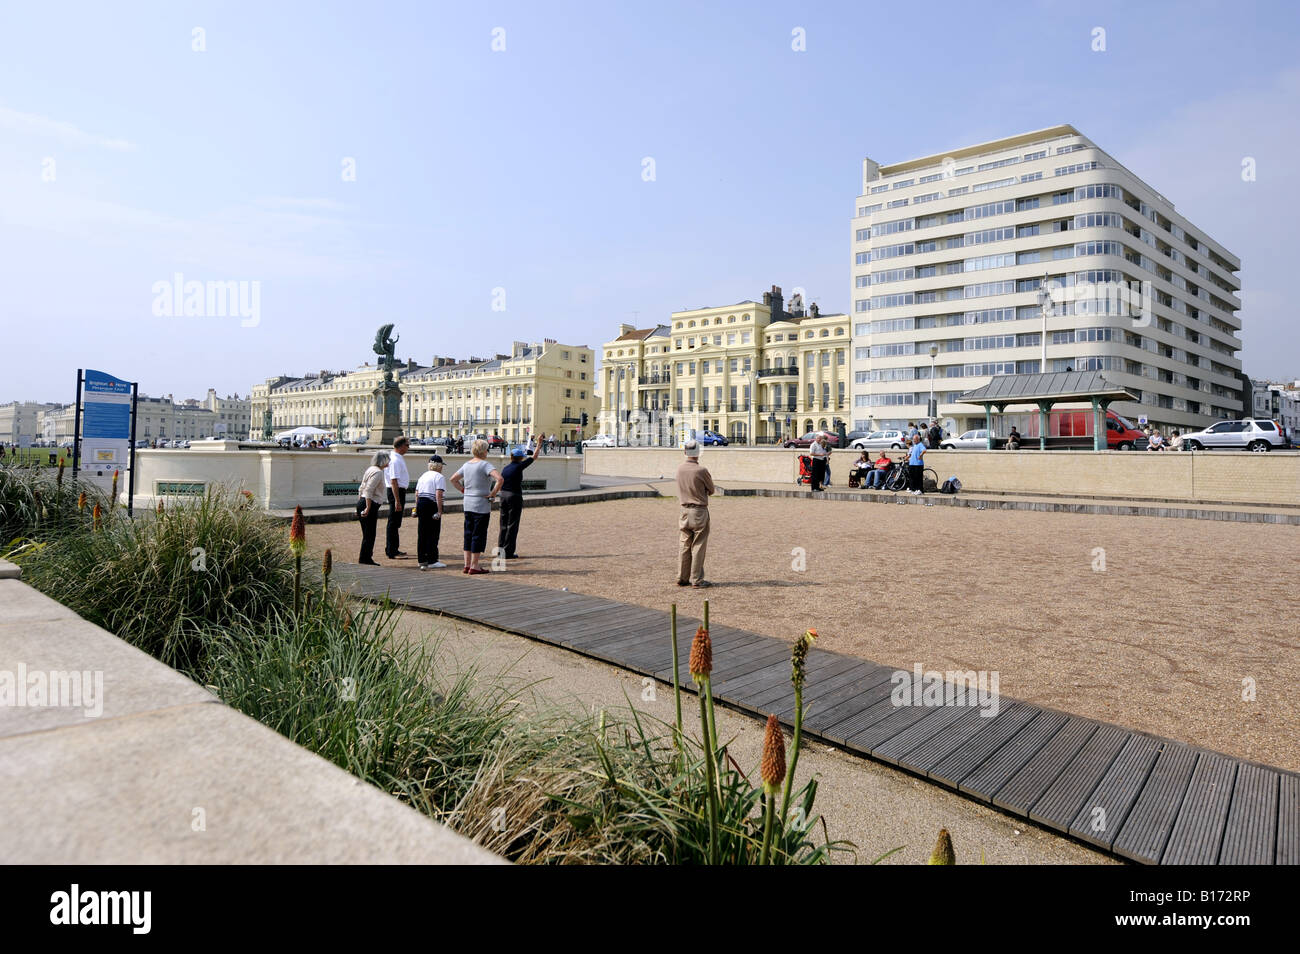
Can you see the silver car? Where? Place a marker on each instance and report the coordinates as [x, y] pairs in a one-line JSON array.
[[876, 440], [971, 440], [1251, 434]]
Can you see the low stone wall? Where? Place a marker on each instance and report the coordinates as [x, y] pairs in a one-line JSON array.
[[1204, 477], [148, 767], [283, 479]]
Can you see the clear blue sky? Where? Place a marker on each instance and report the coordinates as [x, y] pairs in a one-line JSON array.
[[522, 169]]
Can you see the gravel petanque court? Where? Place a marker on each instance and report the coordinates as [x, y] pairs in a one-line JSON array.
[[1155, 624]]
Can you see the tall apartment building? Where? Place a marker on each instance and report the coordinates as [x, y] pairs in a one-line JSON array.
[[539, 386], [957, 256], [749, 368], [20, 421]]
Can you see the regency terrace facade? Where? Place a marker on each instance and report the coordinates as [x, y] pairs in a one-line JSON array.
[[753, 372], [949, 254], [539, 387]]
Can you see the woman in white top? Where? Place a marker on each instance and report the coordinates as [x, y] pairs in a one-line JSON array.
[[429, 491], [370, 497], [480, 482]]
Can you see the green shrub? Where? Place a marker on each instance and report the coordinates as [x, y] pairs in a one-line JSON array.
[[162, 582], [35, 505]]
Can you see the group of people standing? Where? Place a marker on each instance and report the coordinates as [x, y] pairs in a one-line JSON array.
[[387, 480]]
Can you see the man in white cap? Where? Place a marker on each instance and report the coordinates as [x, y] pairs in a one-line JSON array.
[[694, 487]]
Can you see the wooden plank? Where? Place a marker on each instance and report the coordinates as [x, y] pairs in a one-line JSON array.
[[844, 687], [976, 750], [1250, 836], [1145, 831], [634, 628], [1102, 814], [1198, 830], [991, 774], [865, 717], [1028, 784], [840, 673], [836, 705], [1059, 805], [607, 635], [896, 750], [900, 720], [849, 714], [726, 668], [1288, 820], [578, 624], [937, 747]]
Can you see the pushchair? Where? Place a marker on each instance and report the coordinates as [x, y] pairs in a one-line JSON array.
[[805, 470]]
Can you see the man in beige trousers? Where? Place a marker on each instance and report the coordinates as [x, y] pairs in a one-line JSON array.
[[694, 486]]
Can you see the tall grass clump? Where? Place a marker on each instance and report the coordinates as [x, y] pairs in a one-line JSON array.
[[163, 582], [38, 504]]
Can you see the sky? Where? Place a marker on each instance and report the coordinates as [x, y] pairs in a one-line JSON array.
[[350, 165]]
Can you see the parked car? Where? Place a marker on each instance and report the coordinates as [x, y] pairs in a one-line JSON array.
[[971, 440], [600, 440], [806, 441], [707, 438], [852, 436], [145, 442], [1253, 434], [876, 440]]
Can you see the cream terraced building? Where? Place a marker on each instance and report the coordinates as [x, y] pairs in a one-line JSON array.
[[538, 388], [950, 252], [753, 372]]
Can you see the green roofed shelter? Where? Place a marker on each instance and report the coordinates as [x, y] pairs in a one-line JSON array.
[[1047, 390]]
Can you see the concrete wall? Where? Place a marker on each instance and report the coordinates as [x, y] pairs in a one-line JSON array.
[[282, 479], [159, 771], [1208, 477]]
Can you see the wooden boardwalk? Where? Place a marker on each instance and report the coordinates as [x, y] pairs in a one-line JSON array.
[[1137, 796]]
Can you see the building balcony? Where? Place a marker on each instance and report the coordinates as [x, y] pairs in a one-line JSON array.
[[791, 371], [570, 420], [662, 378]]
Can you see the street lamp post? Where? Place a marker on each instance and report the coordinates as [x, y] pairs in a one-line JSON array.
[[933, 409], [618, 404]]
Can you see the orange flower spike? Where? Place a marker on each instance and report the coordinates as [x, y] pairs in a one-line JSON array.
[[772, 767], [701, 655]]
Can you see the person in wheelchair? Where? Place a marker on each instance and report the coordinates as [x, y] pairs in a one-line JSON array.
[[860, 470], [876, 479]]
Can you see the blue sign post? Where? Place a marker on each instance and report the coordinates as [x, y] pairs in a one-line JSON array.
[[105, 425]]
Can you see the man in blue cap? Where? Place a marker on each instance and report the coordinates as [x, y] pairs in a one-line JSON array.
[[512, 498]]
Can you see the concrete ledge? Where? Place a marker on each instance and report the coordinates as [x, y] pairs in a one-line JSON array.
[[9, 571], [994, 502], [167, 774]]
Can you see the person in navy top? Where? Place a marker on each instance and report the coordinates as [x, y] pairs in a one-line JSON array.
[[512, 498]]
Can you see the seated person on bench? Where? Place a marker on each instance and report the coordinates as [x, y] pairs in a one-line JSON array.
[[876, 479]]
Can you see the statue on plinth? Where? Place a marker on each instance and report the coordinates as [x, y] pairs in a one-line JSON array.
[[387, 425], [386, 348]]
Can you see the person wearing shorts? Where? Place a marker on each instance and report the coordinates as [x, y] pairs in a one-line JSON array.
[[480, 482]]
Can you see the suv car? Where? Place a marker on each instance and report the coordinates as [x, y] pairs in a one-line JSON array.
[[892, 439], [1251, 434]]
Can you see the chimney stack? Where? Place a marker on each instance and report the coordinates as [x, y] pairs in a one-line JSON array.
[[777, 302]]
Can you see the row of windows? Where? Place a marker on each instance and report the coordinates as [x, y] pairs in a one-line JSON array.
[[1077, 167], [891, 275]]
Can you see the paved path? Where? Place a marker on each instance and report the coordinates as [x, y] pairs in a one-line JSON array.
[[1138, 796]]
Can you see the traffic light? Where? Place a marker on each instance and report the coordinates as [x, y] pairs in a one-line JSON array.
[[584, 418]]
